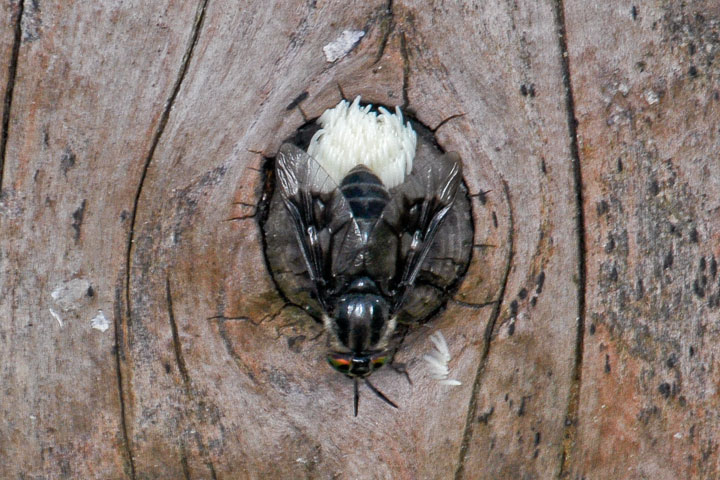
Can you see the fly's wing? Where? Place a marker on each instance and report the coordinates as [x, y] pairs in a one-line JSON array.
[[319, 212], [417, 210]]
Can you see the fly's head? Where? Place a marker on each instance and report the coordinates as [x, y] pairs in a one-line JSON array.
[[359, 331], [357, 365]]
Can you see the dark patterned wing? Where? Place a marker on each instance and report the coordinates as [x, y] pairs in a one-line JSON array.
[[415, 214], [323, 224]]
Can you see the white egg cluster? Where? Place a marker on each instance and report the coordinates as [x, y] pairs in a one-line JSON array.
[[352, 135]]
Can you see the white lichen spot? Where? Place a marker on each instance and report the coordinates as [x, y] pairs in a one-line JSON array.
[[342, 45], [56, 317], [352, 135], [438, 360], [100, 322], [651, 97], [68, 294], [624, 89]]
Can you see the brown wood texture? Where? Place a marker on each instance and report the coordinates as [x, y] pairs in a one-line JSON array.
[[647, 95], [137, 136]]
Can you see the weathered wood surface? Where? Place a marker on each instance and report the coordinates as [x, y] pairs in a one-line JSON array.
[[89, 92], [648, 104], [583, 332]]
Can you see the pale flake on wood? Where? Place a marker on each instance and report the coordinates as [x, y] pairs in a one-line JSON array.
[[100, 322], [342, 45]]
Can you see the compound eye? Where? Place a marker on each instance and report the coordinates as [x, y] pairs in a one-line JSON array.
[[339, 362], [379, 361]]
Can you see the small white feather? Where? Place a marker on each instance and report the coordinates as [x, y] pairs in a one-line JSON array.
[[438, 360], [438, 339], [56, 317], [437, 367], [352, 135], [451, 382]]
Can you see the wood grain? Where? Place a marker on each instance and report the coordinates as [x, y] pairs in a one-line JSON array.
[[80, 129], [646, 88], [240, 357], [138, 141], [9, 48], [506, 77]]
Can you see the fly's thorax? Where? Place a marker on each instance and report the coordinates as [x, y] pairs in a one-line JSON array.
[[360, 321], [359, 330]]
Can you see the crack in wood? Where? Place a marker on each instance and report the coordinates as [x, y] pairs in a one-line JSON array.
[[12, 73], [204, 452], [297, 100], [574, 394], [211, 467], [342, 93], [243, 318], [472, 408], [481, 246], [184, 460], [406, 71], [296, 104], [224, 318], [241, 217], [227, 342], [119, 357], [177, 346], [446, 120], [254, 214], [303, 114], [195, 33], [187, 383], [245, 204], [389, 17]]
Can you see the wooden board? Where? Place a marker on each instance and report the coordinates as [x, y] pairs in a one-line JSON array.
[[138, 145]]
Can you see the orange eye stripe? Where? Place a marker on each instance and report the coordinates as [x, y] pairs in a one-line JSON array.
[[339, 361]]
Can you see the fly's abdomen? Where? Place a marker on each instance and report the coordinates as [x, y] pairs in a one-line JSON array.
[[366, 195]]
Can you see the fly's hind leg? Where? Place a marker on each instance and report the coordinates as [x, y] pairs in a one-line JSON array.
[[400, 367]]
